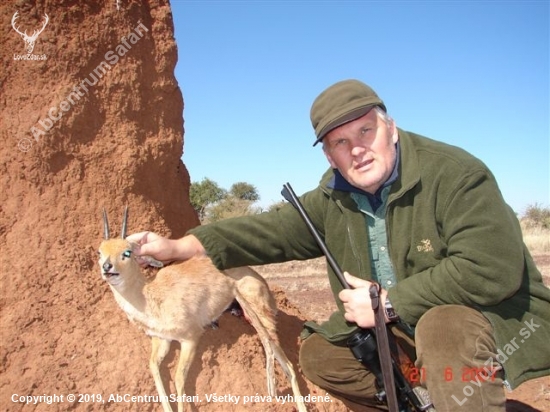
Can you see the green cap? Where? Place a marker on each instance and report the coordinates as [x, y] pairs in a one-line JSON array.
[[341, 103]]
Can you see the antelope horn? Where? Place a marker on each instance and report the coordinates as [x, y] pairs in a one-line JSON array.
[[105, 225], [124, 222]]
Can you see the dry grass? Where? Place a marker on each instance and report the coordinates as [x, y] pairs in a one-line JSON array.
[[536, 238]]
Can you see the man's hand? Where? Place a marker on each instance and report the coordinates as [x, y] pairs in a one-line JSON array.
[[164, 249], [357, 302]]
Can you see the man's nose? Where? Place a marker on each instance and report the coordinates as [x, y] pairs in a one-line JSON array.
[[359, 147]]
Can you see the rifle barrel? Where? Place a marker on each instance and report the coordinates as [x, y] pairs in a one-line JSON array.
[[290, 196]]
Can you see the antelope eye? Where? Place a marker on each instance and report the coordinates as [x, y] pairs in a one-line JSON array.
[[126, 254]]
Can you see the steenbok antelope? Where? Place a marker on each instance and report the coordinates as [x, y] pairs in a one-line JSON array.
[[182, 300]]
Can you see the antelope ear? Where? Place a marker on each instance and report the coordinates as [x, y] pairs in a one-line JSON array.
[[150, 261], [133, 246]]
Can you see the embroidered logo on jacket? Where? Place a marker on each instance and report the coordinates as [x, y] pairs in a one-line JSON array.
[[425, 246]]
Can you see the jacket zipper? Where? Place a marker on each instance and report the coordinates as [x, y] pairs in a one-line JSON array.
[[354, 250], [351, 242]]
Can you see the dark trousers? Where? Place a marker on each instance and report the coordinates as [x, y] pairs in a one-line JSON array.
[[455, 360]]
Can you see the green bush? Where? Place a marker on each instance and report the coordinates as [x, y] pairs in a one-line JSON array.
[[537, 216]]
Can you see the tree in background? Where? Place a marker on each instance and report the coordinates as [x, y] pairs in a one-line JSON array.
[[276, 206], [214, 203], [537, 216], [229, 207], [204, 194], [244, 191]]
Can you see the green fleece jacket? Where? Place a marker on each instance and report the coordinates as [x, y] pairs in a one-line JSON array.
[[452, 240]]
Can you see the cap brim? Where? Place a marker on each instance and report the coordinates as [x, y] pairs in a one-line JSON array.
[[346, 118]]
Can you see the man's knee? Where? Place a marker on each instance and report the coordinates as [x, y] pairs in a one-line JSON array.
[[333, 367], [448, 326], [319, 358], [454, 344], [309, 358]]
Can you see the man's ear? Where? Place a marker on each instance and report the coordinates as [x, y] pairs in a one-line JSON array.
[[394, 131]]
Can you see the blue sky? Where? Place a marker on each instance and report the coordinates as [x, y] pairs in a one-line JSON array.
[[472, 74]]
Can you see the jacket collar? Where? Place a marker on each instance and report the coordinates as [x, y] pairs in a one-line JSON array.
[[409, 169]]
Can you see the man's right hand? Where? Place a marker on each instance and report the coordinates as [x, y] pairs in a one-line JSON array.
[[164, 249]]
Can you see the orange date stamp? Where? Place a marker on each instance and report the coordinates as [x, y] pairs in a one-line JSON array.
[[417, 375]]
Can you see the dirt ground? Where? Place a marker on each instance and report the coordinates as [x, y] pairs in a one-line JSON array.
[[306, 286]]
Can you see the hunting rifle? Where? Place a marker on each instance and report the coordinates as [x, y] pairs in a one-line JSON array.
[[372, 347]]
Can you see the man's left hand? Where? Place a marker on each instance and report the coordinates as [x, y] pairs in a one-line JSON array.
[[357, 301]]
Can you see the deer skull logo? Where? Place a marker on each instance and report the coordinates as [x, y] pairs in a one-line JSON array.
[[29, 40]]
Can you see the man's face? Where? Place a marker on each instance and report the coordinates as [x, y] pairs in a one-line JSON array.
[[363, 150]]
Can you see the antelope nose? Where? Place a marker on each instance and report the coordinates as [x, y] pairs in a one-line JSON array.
[[107, 266]]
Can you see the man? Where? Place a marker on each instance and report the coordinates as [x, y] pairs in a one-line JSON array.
[[428, 223]]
